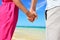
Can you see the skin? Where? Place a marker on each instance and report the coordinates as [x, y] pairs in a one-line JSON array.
[[33, 7], [30, 15]]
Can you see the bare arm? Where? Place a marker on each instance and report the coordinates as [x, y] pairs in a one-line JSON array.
[[30, 16], [20, 5], [33, 5]]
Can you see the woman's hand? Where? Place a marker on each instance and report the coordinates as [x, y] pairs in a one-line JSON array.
[[31, 16], [34, 13], [33, 10]]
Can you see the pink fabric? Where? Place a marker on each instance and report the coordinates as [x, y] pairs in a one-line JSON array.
[[8, 19]]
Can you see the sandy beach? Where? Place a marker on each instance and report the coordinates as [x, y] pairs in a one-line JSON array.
[[29, 34]]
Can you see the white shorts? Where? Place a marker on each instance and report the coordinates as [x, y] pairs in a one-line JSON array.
[[53, 24]]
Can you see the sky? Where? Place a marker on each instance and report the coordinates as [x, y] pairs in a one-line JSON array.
[[40, 9]]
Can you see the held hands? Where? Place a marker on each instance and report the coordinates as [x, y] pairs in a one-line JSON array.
[[31, 15]]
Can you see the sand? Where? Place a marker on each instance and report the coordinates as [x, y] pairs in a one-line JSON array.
[[29, 34]]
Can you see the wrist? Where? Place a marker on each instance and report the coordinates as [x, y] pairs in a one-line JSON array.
[[31, 10], [27, 13]]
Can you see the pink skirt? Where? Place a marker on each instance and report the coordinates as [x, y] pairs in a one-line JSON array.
[[8, 20]]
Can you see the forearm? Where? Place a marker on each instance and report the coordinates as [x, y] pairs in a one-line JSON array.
[[33, 5], [20, 5]]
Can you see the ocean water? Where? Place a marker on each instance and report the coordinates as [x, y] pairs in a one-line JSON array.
[[29, 33], [31, 27]]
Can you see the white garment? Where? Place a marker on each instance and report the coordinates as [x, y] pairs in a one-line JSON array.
[[52, 3], [53, 24], [53, 20]]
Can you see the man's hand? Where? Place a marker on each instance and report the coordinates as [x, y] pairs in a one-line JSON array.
[[31, 16]]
